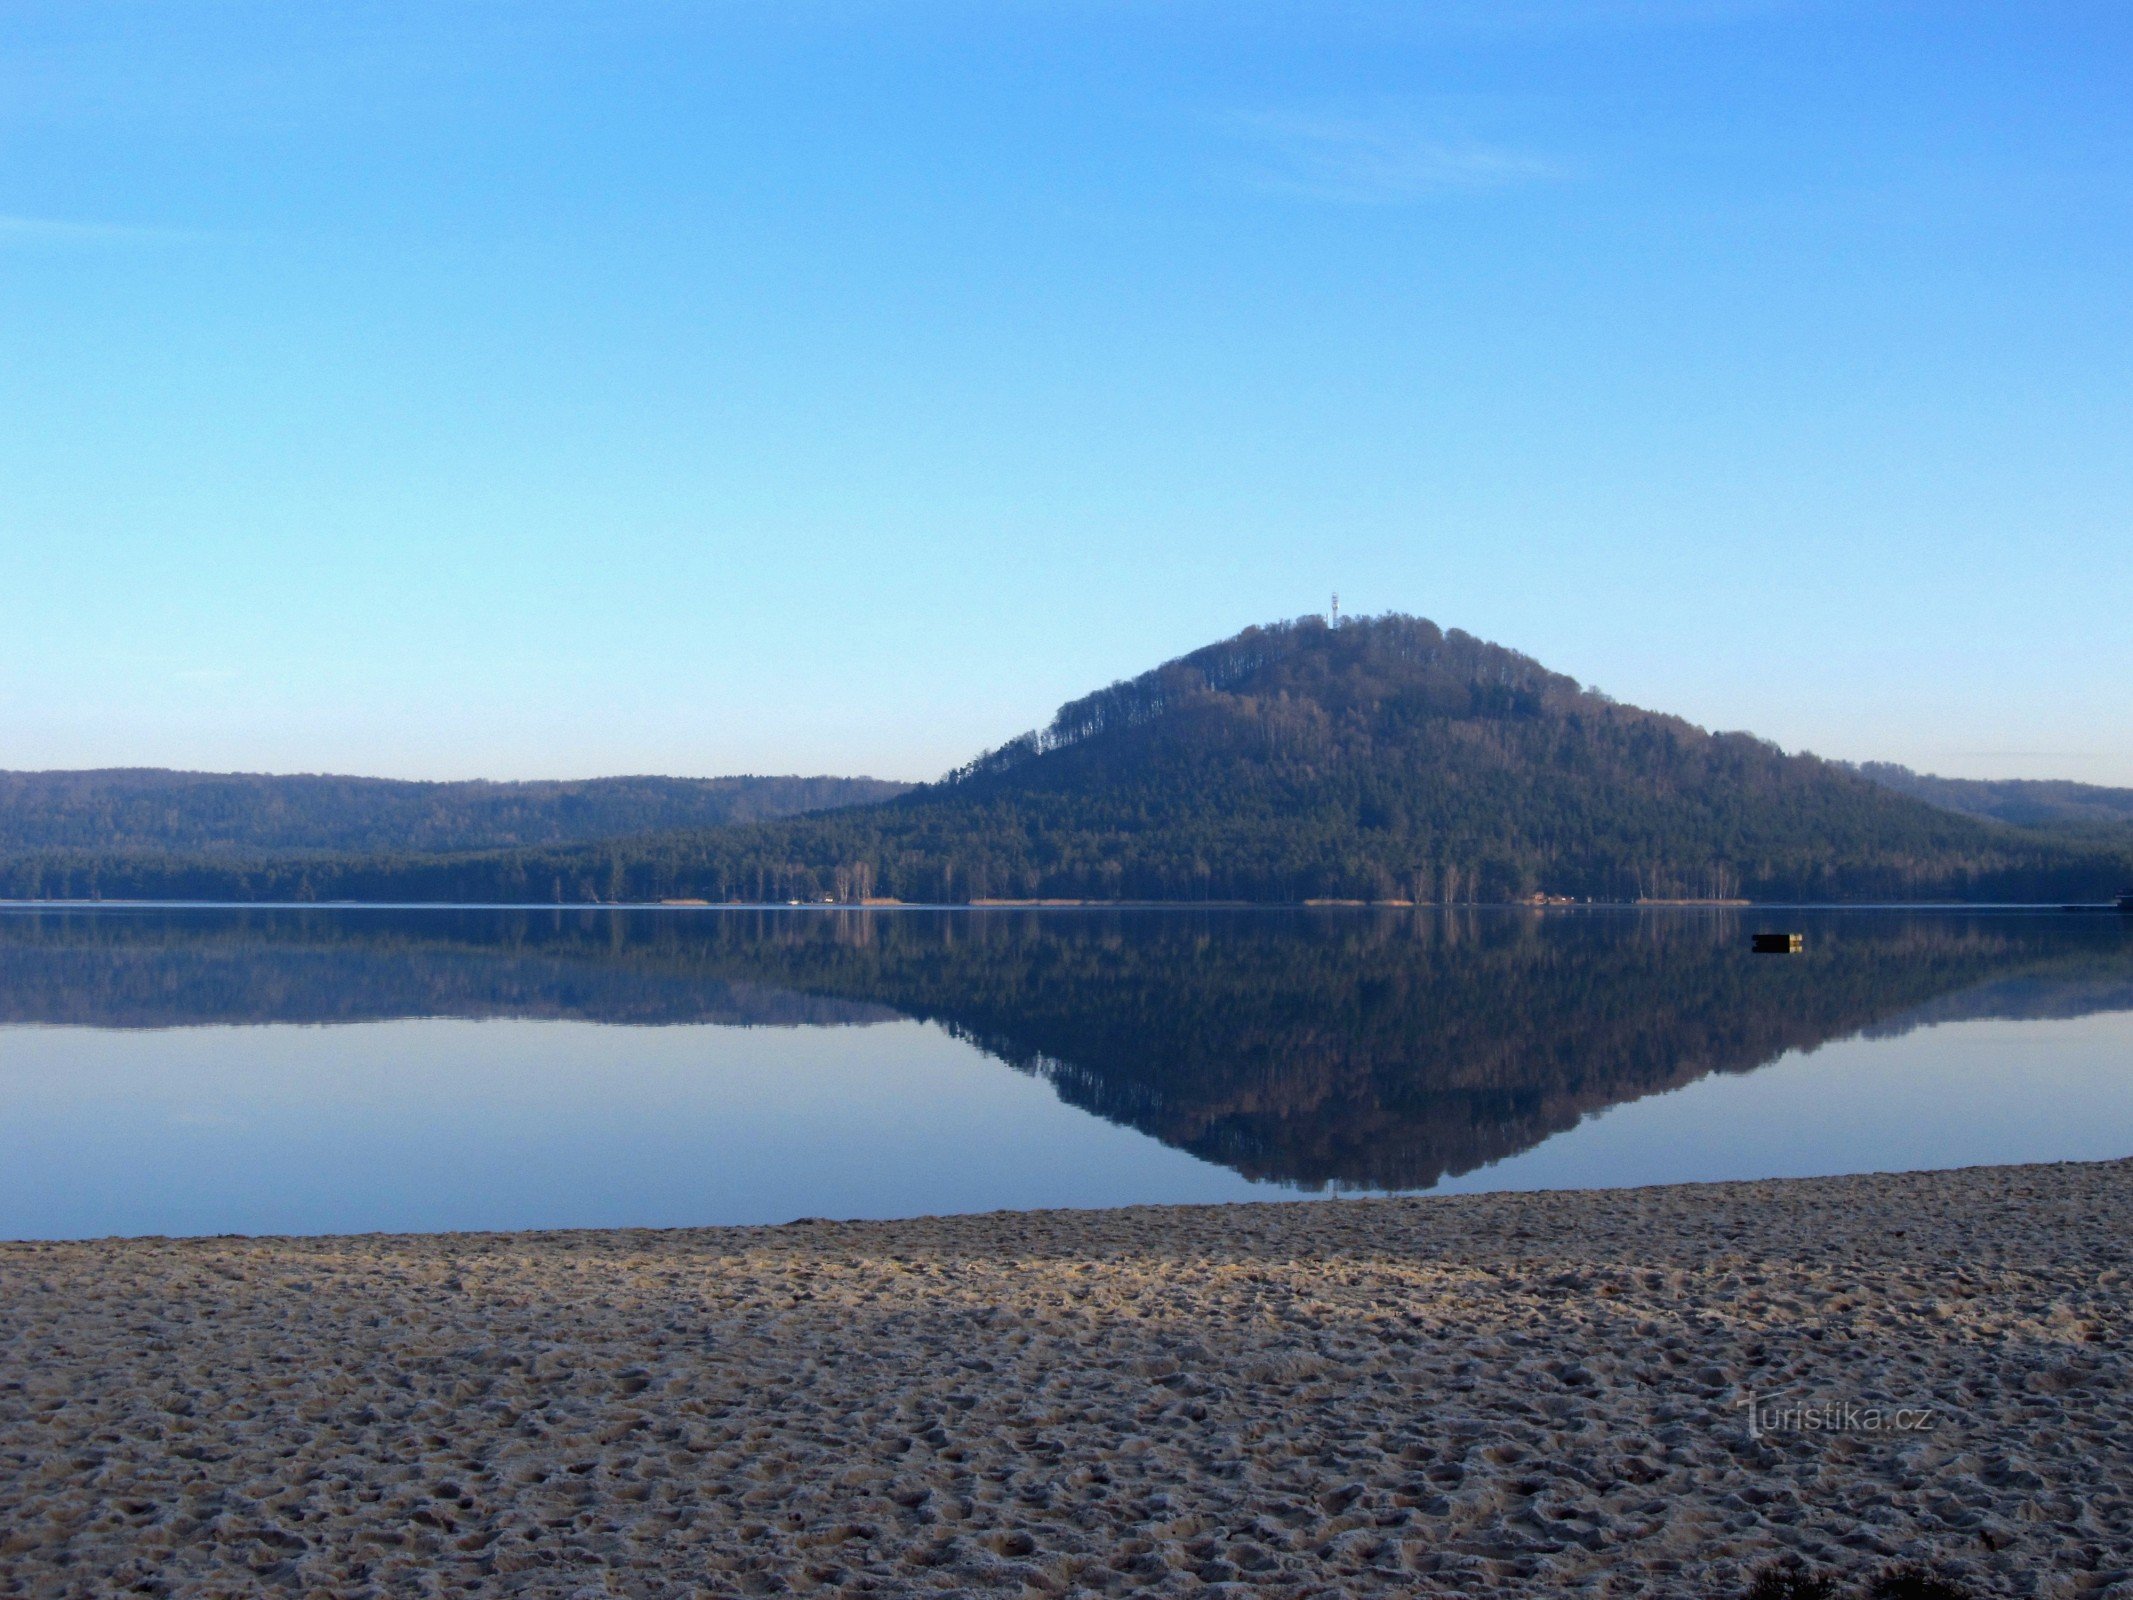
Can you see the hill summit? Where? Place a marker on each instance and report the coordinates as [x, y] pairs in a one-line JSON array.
[[1390, 759], [1383, 759]]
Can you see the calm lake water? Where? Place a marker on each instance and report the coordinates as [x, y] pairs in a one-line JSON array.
[[259, 1070]]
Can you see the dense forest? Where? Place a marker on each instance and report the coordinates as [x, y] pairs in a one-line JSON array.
[[1384, 759], [1385, 1048], [130, 811], [2026, 802]]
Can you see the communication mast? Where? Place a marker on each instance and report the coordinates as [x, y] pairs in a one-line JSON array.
[[1333, 617]]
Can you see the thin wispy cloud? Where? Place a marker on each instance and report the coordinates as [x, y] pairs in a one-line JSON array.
[[1564, 16], [1348, 160]]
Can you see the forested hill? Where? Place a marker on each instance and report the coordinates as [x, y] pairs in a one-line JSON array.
[[150, 811], [1383, 759], [2027, 802]]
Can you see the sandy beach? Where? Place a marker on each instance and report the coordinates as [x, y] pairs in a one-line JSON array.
[[1514, 1394]]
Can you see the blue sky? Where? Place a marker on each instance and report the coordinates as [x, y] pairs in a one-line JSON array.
[[532, 389]]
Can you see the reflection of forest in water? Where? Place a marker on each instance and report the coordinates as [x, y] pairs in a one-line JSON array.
[[1379, 1049]]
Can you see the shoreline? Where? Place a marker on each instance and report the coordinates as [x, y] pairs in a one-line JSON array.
[[1514, 1393]]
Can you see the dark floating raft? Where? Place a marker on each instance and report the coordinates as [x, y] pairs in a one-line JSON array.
[[1778, 944]]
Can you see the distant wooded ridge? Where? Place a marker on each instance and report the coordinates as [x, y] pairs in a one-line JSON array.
[[1383, 759], [148, 810], [2026, 802]]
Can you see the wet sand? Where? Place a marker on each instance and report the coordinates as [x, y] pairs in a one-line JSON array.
[[1503, 1394]]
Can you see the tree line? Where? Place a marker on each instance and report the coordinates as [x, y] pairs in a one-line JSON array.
[[121, 813]]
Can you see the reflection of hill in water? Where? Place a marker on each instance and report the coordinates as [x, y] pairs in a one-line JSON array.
[[2029, 998], [1382, 1050], [1390, 1050]]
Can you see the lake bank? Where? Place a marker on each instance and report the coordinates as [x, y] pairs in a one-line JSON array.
[[1515, 1393]]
